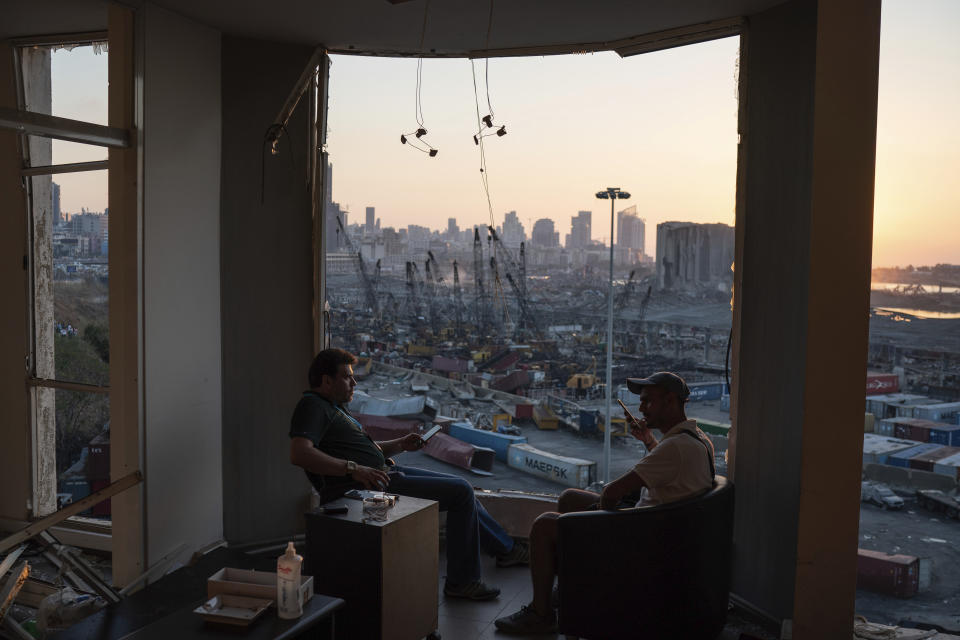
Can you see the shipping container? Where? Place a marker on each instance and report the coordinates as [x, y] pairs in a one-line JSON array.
[[886, 406], [909, 428], [450, 365], [882, 383], [876, 448], [588, 421], [499, 442], [384, 428], [915, 432], [570, 472], [413, 408], [523, 411], [869, 422], [949, 467], [902, 458], [925, 461], [948, 412], [707, 391], [895, 575], [479, 460], [545, 418], [512, 381], [948, 434]]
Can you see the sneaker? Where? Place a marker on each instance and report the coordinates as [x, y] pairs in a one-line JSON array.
[[475, 590], [519, 554], [527, 620]]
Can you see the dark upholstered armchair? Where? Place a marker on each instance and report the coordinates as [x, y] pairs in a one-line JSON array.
[[650, 572]]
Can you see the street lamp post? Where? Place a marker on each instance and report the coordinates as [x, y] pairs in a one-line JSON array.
[[613, 194]]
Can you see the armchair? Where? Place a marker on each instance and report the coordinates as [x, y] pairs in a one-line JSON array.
[[648, 572]]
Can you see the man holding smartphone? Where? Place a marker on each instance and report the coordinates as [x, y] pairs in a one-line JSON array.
[[678, 466], [331, 446]]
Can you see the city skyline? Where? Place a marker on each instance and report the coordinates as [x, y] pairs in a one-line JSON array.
[[667, 134]]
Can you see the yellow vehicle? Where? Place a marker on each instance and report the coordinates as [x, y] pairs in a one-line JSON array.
[[584, 380]]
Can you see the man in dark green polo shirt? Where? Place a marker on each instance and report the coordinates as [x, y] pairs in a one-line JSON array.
[[330, 445]]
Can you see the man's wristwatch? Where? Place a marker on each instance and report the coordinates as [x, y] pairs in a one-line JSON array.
[[351, 466]]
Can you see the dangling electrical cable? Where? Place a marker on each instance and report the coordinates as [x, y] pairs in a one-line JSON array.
[[485, 180], [418, 135], [488, 119]]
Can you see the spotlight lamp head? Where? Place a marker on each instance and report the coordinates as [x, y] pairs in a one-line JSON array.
[[433, 152], [421, 132], [603, 195], [623, 195], [502, 131], [403, 139], [488, 120], [476, 140]]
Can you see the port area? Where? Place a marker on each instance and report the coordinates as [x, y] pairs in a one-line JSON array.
[[914, 531]]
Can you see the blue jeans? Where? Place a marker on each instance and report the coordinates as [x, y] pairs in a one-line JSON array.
[[469, 526]]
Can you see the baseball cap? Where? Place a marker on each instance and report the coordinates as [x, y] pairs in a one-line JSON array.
[[669, 381]]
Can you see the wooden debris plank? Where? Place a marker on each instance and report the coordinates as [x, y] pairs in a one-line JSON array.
[[12, 587], [74, 508], [10, 559], [34, 591]]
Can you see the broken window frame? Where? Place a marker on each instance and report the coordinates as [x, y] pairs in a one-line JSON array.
[[41, 378]]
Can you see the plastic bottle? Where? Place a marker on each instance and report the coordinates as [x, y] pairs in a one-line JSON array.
[[289, 596]]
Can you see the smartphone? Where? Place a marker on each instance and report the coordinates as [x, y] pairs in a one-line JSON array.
[[627, 412], [432, 432]]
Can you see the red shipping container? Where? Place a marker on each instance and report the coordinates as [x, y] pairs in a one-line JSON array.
[[384, 428], [895, 575], [926, 461], [523, 411], [881, 383]]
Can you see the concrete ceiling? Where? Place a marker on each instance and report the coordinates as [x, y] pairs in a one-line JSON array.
[[454, 27]]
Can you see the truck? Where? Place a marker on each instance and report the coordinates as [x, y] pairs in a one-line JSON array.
[[936, 500]]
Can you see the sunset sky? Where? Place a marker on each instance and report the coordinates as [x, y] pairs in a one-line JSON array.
[[661, 126]]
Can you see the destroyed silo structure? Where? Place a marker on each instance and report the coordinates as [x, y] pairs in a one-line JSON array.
[[692, 256]]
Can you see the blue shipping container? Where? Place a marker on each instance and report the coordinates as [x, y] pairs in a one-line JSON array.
[[588, 421], [902, 458], [947, 435], [499, 442], [700, 391]]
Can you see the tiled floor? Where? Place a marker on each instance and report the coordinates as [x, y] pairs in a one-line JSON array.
[[467, 620]]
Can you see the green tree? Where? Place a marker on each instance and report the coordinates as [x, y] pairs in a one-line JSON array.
[[98, 337], [80, 415]]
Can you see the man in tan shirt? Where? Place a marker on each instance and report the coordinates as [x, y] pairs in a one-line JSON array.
[[678, 466]]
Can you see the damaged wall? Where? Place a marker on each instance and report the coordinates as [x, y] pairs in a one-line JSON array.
[[267, 290], [691, 256]]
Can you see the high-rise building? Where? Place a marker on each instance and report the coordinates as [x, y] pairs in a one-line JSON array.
[[580, 230], [370, 227], [55, 192], [513, 231], [543, 234], [631, 230]]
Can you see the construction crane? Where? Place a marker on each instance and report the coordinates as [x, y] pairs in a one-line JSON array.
[[495, 272], [511, 264], [457, 300], [527, 322], [412, 305], [422, 292], [371, 295], [481, 303]]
